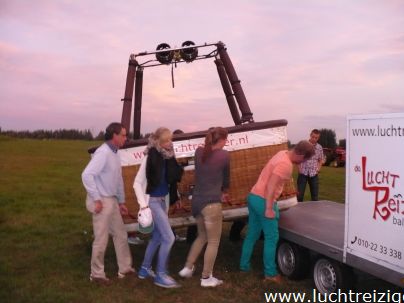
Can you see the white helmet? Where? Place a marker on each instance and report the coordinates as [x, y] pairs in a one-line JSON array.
[[145, 220]]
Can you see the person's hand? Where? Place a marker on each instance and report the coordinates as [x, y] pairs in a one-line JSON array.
[[269, 213], [225, 197], [178, 204], [97, 206], [123, 209]]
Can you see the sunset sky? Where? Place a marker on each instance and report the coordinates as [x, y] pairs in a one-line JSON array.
[[63, 64]]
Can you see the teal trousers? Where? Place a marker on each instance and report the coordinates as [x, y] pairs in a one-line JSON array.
[[257, 222]]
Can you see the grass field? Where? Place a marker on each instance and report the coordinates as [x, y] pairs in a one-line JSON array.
[[46, 236]]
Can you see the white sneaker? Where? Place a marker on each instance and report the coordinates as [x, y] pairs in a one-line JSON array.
[[179, 238], [135, 240], [127, 273], [187, 272], [164, 280], [211, 282]]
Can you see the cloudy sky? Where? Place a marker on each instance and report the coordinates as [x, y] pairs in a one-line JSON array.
[[63, 64]]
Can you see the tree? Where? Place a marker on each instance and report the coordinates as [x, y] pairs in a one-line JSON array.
[[100, 136], [342, 143], [327, 138], [43, 134]]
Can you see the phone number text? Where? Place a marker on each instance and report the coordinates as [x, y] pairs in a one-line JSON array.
[[376, 247]]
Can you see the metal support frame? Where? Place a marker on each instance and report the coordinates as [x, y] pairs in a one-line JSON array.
[[246, 114], [127, 100], [137, 112], [228, 92], [227, 74]]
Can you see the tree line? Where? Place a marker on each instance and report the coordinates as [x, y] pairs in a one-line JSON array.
[[327, 136], [71, 134], [328, 139], [67, 134]]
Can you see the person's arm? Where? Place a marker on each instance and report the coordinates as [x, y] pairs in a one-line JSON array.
[[123, 209], [320, 159], [121, 190], [140, 185], [299, 167], [226, 181], [121, 197], [273, 183], [93, 169], [319, 164]]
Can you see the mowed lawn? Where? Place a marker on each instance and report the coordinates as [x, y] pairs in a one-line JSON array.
[[46, 236]]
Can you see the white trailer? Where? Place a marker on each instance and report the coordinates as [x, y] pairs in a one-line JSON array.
[[367, 232]]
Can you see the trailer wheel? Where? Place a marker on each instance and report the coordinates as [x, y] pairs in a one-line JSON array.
[[293, 260], [329, 276]]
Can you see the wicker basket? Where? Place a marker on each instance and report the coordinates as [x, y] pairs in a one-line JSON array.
[[246, 165]]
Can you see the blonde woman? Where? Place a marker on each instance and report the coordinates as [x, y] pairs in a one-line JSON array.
[[157, 175], [212, 175]]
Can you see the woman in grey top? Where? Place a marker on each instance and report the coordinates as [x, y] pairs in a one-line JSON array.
[[212, 174]]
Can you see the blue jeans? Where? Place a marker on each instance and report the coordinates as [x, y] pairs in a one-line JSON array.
[[257, 222], [162, 236], [301, 187]]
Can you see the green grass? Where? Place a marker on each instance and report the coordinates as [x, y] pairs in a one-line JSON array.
[[46, 236], [331, 184]]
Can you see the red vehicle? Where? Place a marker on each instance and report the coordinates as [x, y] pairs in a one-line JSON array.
[[334, 157]]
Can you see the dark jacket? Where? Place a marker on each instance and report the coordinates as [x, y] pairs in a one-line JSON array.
[[154, 167]]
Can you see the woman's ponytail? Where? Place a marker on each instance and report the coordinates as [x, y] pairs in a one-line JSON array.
[[212, 137], [207, 150]]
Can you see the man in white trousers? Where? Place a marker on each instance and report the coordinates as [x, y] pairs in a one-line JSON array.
[[103, 181]]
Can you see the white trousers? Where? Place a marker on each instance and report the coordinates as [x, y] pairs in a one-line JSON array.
[[108, 221]]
